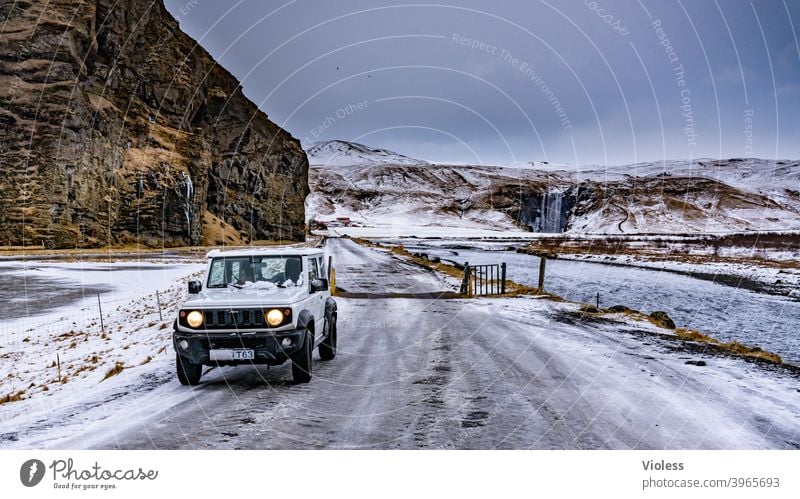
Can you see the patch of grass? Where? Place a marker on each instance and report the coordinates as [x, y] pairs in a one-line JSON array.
[[118, 368], [692, 335], [741, 350], [84, 368], [12, 397], [733, 347], [146, 360], [163, 326]]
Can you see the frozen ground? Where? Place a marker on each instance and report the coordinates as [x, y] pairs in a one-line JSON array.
[[420, 373], [61, 325]]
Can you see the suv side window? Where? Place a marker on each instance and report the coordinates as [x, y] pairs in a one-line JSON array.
[[313, 270], [323, 272]]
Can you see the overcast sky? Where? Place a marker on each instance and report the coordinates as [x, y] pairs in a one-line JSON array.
[[603, 82]]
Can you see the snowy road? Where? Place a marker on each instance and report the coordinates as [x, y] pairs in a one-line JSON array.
[[419, 373]]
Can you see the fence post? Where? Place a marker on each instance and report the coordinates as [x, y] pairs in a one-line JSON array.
[[503, 278], [102, 326], [465, 281], [542, 264], [598, 299], [158, 300]]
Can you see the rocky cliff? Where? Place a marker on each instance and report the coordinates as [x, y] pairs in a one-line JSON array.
[[116, 127]]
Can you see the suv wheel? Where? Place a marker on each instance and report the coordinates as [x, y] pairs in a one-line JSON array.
[[327, 349], [188, 373], [301, 359]]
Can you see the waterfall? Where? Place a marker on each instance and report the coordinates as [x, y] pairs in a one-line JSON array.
[[551, 218], [188, 207]]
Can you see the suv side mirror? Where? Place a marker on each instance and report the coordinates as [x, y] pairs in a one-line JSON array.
[[319, 285], [195, 287]]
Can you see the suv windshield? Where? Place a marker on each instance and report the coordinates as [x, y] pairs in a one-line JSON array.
[[255, 271]]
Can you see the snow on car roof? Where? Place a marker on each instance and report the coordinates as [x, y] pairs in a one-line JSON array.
[[266, 250]]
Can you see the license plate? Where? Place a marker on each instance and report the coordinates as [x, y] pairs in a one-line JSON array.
[[230, 354]]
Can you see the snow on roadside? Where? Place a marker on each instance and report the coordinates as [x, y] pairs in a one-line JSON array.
[[132, 346], [645, 385]]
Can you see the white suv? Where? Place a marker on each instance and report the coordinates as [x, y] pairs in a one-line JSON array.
[[259, 306]]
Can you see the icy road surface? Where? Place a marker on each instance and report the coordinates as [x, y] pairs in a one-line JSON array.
[[416, 373]]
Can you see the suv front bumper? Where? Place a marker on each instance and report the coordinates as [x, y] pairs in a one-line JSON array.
[[267, 346]]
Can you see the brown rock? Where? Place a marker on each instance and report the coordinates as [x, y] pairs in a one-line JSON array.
[[661, 319], [116, 127]]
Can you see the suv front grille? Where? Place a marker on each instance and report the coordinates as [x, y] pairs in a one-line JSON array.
[[234, 319]]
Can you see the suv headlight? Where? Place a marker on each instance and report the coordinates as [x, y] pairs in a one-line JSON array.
[[275, 317], [195, 318]]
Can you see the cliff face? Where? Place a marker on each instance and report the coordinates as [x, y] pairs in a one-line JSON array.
[[117, 127]]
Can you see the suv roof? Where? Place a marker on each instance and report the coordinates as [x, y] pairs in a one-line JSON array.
[[267, 250]]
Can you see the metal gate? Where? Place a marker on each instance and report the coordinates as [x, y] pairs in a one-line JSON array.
[[484, 280]]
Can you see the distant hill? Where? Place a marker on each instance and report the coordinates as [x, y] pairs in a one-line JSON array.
[[661, 197], [343, 153]]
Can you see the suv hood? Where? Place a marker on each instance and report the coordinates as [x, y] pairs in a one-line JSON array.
[[252, 297]]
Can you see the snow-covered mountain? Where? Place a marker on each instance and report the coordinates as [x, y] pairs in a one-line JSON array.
[[343, 153], [660, 197]]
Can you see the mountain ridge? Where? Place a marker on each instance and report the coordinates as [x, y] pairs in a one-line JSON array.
[[345, 153], [660, 197]]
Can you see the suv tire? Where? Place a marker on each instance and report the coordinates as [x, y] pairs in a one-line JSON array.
[[188, 373], [327, 349], [301, 359]]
